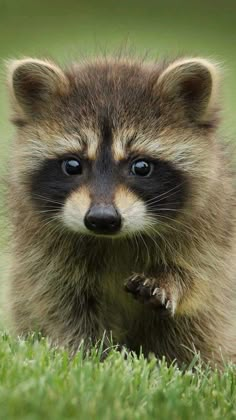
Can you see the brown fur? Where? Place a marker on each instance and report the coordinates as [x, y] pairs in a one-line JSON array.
[[71, 287]]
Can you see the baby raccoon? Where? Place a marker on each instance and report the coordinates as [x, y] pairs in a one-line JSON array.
[[123, 208]]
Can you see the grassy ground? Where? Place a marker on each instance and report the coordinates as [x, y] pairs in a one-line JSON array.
[[36, 382]]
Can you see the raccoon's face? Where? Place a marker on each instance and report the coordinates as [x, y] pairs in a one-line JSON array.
[[113, 148]]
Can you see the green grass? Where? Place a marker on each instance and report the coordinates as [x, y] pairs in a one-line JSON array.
[[38, 382]]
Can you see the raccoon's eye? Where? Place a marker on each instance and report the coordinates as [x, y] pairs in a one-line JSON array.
[[141, 168], [72, 167]]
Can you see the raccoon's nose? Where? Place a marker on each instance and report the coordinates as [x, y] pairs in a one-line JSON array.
[[103, 219]]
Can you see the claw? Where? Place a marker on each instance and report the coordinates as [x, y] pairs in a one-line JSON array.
[[155, 291], [135, 276], [163, 296], [168, 304], [144, 290]]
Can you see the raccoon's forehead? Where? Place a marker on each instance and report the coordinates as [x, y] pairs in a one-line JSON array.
[[114, 102], [109, 106], [115, 90]]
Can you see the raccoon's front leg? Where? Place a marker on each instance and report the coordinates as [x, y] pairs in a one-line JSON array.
[[164, 291]]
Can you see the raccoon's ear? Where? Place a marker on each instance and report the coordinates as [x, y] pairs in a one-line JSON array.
[[33, 83], [189, 87]]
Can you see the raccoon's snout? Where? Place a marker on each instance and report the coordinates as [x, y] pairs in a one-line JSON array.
[[103, 219]]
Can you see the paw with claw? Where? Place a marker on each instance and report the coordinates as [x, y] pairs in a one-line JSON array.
[[157, 292]]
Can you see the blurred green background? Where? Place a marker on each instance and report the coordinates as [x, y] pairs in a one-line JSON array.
[[69, 30], [72, 29]]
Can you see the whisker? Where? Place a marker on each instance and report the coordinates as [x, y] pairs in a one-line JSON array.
[[46, 211], [152, 234], [186, 226], [157, 200], [134, 237], [46, 199], [146, 247], [166, 209], [164, 240], [152, 237], [175, 189]]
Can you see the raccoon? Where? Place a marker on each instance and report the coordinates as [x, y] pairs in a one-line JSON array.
[[122, 207]]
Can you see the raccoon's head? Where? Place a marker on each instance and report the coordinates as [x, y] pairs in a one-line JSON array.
[[114, 147]]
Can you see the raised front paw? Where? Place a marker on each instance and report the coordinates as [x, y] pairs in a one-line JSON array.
[[156, 292]]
